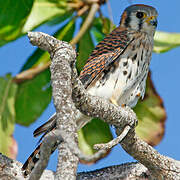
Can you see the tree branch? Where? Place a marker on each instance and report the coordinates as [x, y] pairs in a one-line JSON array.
[[115, 141], [86, 24], [11, 170], [160, 166], [62, 54], [66, 86], [63, 72]]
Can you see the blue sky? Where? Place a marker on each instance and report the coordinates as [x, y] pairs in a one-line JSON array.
[[165, 74]]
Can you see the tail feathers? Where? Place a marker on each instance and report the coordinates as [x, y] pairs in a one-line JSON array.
[[31, 161], [81, 120], [46, 127]]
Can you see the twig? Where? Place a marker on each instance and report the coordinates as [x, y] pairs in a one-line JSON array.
[[96, 156], [30, 73], [91, 1], [82, 10], [86, 23], [115, 141], [76, 5]]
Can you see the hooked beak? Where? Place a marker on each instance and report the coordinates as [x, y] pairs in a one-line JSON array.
[[152, 20]]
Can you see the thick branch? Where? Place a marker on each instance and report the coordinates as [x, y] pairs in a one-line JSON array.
[[160, 166], [65, 109], [124, 172], [87, 23], [11, 170], [62, 54]]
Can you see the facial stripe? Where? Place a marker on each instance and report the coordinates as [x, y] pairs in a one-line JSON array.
[[127, 20]]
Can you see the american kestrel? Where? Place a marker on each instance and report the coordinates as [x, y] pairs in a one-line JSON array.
[[117, 68]]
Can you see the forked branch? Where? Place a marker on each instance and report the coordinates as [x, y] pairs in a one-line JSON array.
[[158, 165], [69, 92]]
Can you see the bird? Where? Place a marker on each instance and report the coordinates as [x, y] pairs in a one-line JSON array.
[[117, 68]]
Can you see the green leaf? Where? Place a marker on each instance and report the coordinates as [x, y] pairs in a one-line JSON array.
[[151, 116], [8, 91], [94, 132], [39, 57], [59, 19], [99, 36], [35, 95], [43, 11], [85, 47], [32, 98], [19, 17], [103, 25], [164, 41], [67, 31], [13, 15]]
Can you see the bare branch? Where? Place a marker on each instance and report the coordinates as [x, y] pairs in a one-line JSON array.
[[30, 73], [159, 165], [86, 24], [65, 109], [96, 156], [62, 54], [124, 172], [115, 141], [121, 117], [11, 170]]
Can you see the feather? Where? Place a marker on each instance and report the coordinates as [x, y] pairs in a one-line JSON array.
[[105, 53]]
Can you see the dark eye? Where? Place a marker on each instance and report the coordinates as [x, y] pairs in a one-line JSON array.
[[139, 15]]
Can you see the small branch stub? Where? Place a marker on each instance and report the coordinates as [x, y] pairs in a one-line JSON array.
[[115, 141]]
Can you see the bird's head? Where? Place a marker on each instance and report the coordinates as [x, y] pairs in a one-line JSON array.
[[140, 18]]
